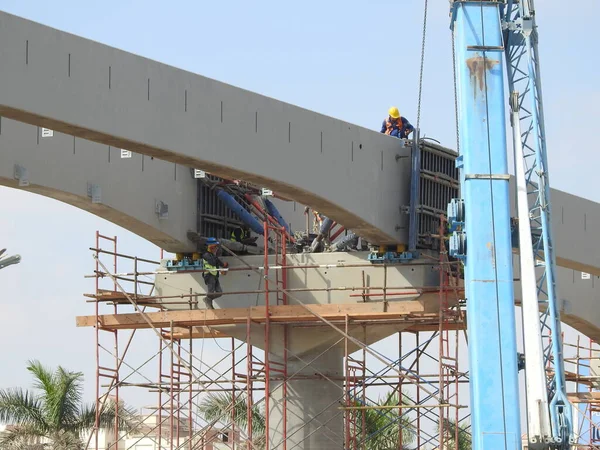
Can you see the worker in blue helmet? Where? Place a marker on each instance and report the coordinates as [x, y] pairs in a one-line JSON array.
[[211, 264]]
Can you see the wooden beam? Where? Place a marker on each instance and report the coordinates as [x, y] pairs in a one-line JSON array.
[[281, 314], [198, 333], [431, 327], [584, 397]]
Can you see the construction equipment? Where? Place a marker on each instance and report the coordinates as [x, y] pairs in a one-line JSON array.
[[482, 31]]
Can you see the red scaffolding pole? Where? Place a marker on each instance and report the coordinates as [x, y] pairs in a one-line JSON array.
[[178, 386], [102, 371]]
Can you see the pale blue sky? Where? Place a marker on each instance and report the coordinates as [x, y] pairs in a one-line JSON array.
[[350, 60]]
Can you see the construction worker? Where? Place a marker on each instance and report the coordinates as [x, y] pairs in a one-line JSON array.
[[211, 265], [242, 234], [396, 125], [317, 219]]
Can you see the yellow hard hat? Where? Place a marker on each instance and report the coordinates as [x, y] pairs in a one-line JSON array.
[[394, 113]]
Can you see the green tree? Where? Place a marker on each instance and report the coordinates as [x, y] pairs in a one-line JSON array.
[[218, 407], [450, 429], [382, 425], [53, 412]]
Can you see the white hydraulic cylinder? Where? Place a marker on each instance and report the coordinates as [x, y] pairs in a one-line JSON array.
[[538, 413]]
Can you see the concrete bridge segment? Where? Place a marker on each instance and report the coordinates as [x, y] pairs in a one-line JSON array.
[[69, 84], [121, 101]]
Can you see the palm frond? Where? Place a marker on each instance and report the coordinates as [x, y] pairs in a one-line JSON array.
[[20, 407], [44, 382], [61, 393], [384, 426], [219, 407], [65, 440], [68, 395], [87, 418], [451, 430], [21, 437]]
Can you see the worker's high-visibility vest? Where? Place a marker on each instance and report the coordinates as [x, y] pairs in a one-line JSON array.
[[243, 235], [389, 125], [213, 270]]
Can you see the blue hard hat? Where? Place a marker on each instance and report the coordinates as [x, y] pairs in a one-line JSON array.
[[212, 241]]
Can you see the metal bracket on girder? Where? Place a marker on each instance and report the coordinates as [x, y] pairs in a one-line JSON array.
[[197, 173], [21, 174], [487, 176], [485, 48], [47, 132], [458, 245], [162, 210], [94, 192]]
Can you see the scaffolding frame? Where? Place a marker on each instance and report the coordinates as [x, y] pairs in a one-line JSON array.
[[585, 396], [424, 400]]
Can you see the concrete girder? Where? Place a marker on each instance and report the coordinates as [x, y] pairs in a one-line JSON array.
[[63, 167], [82, 88], [66, 83], [50, 78]]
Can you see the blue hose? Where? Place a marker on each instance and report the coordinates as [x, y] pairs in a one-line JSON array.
[[241, 212], [275, 213]]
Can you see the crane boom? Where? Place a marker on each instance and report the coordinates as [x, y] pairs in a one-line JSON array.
[[483, 161], [524, 81], [482, 32], [538, 417]]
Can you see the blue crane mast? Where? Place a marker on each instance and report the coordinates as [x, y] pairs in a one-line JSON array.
[[483, 32]]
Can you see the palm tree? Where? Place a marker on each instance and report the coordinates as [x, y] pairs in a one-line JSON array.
[[450, 430], [218, 407], [53, 412], [382, 426]]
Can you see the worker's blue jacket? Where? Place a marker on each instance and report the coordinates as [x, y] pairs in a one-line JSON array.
[[399, 128]]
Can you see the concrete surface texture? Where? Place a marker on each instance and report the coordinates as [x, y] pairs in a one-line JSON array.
[[307, 284], [85, 89], [69, 84], [579, 292], [314, 396], [63, 167], [314, 351]]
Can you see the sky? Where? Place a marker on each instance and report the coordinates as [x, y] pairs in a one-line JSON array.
[[350, 60]]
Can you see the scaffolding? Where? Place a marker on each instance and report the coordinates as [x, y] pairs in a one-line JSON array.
[[411, 390], [582, 373]]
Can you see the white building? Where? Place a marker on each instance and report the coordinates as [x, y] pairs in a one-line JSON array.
[[146, 438]]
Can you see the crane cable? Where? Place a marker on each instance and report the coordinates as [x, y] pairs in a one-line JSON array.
[[422, 63], [456, 118]]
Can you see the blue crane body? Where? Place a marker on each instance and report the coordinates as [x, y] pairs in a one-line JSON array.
[[488, 262], [484, 32]]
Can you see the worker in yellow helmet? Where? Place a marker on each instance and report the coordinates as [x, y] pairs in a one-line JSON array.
[[396, 125]]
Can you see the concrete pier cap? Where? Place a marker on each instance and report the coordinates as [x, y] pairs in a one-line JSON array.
[[315, 349]]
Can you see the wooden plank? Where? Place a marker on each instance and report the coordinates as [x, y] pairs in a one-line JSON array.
[[283, 314], [584, 397], [198, 333], [430, 327]]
